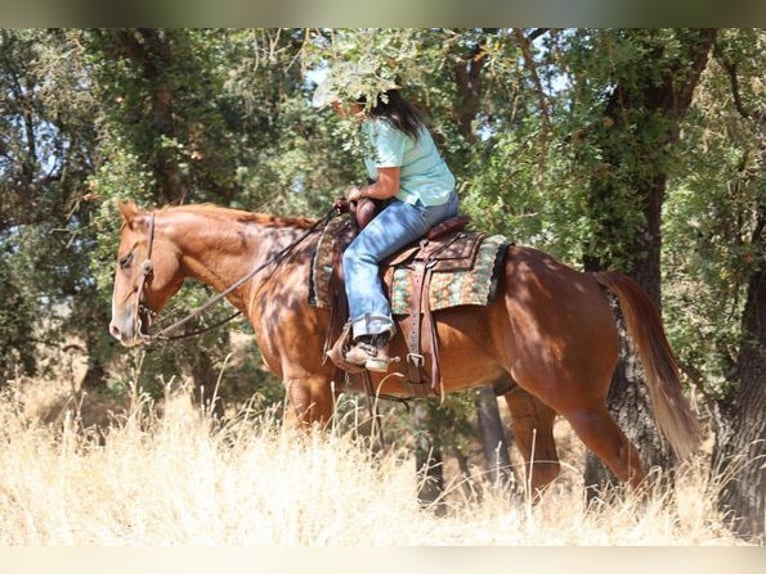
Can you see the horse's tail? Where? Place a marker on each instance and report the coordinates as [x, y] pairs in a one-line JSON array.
[[671, 409]]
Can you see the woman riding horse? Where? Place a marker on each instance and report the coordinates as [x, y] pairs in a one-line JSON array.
[[548, 335]]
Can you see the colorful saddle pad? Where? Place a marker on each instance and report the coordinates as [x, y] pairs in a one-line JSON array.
[[451, 287], [467, 272]]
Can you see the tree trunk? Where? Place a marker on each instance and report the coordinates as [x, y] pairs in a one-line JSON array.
[[471, 489], [150, 50], [94, 376], [740, 447], [205, 378], [468, 80], [644, 119], [428, 459], [740, 425], [493, 438]]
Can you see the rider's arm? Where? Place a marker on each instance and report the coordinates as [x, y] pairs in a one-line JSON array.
[[386, 186]]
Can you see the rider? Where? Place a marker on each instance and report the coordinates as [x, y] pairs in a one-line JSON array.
[[404, 167]]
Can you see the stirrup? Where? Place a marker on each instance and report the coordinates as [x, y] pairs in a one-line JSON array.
[[377, 365]]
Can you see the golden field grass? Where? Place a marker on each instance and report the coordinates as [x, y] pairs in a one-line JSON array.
[[169, 474]]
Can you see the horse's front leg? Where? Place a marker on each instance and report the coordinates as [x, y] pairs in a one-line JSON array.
[[310, 399], [533, 430]]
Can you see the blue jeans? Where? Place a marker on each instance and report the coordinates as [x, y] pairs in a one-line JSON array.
[[398, 225]]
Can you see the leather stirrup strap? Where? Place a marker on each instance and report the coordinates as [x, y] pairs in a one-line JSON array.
[[415, 358], [430, 328], [339, 302]]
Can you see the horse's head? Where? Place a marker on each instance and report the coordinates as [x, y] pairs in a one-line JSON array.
[[148, 274]]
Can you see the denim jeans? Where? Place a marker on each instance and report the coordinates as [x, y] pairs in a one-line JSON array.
[[398, 225]]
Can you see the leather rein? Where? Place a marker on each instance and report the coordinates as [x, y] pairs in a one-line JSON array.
[[147, 272]]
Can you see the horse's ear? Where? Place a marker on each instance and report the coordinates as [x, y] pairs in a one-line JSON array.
[[128, 210]]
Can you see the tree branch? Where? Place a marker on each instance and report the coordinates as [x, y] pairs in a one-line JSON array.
[[731, 70], [524, 44], [468, 77], [536, 33]]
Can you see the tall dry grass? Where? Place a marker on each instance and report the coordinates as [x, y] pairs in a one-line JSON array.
[[173, 476]]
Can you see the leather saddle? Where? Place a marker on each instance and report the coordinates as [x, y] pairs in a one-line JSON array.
[[446, 247]]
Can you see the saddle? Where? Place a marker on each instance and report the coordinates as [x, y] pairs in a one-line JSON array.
[[446, 249]]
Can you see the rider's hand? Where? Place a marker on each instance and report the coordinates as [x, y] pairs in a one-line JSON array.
[[353, 193]]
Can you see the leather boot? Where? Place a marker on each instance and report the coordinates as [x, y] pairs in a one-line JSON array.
[[370, 351]]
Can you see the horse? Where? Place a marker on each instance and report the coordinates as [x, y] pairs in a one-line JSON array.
[[549, 337]]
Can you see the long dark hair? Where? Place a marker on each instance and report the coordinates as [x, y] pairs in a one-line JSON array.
[[399, 111]]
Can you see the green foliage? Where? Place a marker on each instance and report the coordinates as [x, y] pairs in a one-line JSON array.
[[17, 313], [46, 143], [714, 215]]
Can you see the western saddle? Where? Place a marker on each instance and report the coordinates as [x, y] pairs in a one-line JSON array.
[[446, 247]]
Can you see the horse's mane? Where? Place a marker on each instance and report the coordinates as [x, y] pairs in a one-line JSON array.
[[227, 213]]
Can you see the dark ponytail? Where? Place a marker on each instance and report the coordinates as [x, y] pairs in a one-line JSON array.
[[401, 113]]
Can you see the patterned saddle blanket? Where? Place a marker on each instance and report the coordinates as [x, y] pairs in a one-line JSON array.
[[465, 267]]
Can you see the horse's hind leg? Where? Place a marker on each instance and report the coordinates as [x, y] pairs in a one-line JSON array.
[[596, 428], [533, 431]]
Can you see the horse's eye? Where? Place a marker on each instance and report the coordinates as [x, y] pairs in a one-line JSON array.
[[126, 260]]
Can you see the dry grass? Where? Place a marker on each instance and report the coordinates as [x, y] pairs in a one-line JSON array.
[[179, 478]]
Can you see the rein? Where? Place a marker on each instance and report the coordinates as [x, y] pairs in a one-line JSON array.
[[162, 335]]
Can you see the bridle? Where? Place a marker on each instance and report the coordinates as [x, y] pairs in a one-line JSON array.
[[147, 274]]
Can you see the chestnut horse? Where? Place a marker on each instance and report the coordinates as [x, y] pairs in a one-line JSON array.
[[549, 336]]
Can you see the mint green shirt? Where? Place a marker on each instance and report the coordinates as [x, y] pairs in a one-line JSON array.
[[423, 174]]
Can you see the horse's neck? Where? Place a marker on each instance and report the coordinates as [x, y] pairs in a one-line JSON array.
[[220, 250]]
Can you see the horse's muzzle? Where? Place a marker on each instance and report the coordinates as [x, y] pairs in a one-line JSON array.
[[126, 338], [127, 331]]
